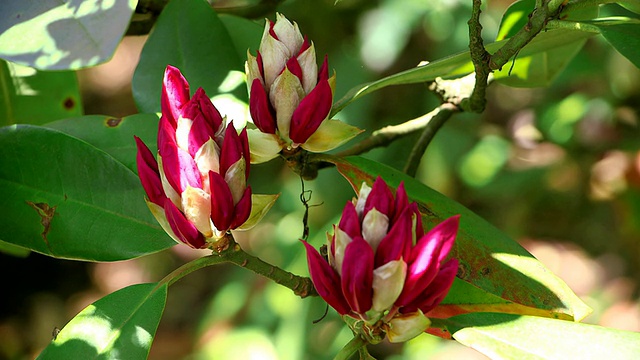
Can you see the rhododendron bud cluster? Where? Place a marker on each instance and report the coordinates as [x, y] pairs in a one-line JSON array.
[[384, 273], [289, 97], [197, 190]]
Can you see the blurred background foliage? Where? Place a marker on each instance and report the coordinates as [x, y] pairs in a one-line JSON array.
[[557, 168]]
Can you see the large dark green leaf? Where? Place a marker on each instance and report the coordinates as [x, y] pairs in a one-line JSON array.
[[245, 34], [36, 97], [190, 36], [65, 198], [496, 273], [113, 135], [121, 325], [506, 336], [61, 35]]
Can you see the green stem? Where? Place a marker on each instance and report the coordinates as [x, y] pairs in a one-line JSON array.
[[436, 121], [351, 348], [301, 286], [388, 134], [190, 267]]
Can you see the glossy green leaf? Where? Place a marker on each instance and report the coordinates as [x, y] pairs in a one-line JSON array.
[[460, 64], [190, 36], [515, 18], [113, 135], [506, 336], [501, 275], [36, 97], [67, 199], [245, 34], [623, 34], [61, 35], [121, 325]]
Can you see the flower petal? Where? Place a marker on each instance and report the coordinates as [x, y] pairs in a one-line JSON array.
[[263, 147], [158, 212], [175, 94], [294, 67], [179, 167], [149, 174], [374, 227], [329, 135], [357, 275], [196, 205], [285, 95], [388, 281], [312, 110], [222, 207], [405, 327], [349, 221], [380, 198], [231, 150], [182, 228], [326, 280], [261, 109], [288, 33], [426, 258], [260, 205], [395, 244], [307, 61], [439, 287], [242, 210]]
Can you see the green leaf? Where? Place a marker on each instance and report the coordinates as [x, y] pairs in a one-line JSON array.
[[36, 97], [631, 5], [245, 34], [62, 35], [501, 275], [13, 250], [190, 36], [460, 64], [67, 199], [623, 34], [121, 325], [113, 135], [515, 18], [506, 336], [541, 68]]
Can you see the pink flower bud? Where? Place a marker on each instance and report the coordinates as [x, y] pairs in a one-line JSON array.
[[198, 188], [382, 270], [288, 96]]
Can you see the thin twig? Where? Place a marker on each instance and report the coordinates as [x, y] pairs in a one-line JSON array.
[[388, 134], [301, 286], [430, 130]]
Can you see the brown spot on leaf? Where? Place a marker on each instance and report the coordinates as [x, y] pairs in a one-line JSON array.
[[463, 270], [113, 122], [485, 271], [69, 103], [46, 214]]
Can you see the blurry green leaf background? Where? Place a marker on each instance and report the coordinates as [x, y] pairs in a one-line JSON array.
[[556, 168]]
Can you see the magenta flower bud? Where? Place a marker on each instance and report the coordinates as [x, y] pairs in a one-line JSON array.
[[197, 190], [383, 273], [289, 98]]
